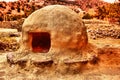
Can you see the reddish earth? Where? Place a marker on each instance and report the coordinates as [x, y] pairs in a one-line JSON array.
[[105, 67]]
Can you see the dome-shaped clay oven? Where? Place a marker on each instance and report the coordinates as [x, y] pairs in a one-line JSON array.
[[53, 27]]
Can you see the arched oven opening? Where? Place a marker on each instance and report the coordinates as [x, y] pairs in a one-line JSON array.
[[39, 41]]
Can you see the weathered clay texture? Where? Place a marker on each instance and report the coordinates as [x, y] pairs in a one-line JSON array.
[[68, 36]]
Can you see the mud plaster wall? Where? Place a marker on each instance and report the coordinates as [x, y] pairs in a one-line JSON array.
[[67, 32], [63, 24]]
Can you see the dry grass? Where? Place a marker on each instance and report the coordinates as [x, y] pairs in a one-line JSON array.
[[105, 42]]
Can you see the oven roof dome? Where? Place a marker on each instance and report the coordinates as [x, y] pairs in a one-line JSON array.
[[54, 17], [63, 24]]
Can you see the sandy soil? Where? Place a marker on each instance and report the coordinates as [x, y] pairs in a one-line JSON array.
[[105, 67]]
